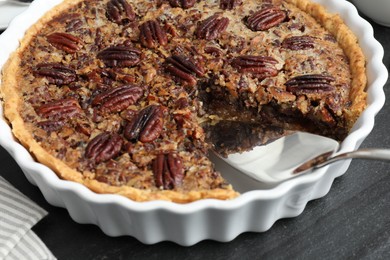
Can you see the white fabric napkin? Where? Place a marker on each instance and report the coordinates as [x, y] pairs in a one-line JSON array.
[[18, 214]]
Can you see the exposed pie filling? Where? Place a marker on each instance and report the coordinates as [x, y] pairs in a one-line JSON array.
[[128, 97]]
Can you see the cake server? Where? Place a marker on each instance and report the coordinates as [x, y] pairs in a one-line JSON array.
[[329, 157], [294, 155]]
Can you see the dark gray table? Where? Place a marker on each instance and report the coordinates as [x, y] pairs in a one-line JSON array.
[[351, 222]]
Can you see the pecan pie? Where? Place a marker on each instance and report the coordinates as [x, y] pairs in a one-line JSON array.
[[128, 97]]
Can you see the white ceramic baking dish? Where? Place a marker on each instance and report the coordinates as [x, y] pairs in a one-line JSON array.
[[256, 210]]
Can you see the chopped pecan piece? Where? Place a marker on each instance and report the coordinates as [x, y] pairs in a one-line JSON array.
[[170, 29], [260, 66], [120, 56], [83, 128], [152, 35], [117, 99], [325, 116], [184, 69], [168, 171], [74, 24], [65, 41], [55, 73], [229, 4], [104, 147], [146, 126], [215, 51], [212, 27], [51, 125], [120, 12], [266, 18], [312, 83], [60, 109], [296, 43], [185, 4]]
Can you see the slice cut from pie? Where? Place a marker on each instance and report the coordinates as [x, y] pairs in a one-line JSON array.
[[128, 97]]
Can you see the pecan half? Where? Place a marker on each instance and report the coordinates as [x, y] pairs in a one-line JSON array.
[[120, 56], [212, 27], [168, 171], [229, 4], [184, 69], [296, 43], [260, 66], [185, 4], [117, 99], [64, 41], [146, 126], [152, 35], [55, 73], [120, 12], [60, 109], [312, 83], [266, 18], [104, 147]]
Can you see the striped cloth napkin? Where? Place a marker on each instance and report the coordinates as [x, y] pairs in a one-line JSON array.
[[18, 214]]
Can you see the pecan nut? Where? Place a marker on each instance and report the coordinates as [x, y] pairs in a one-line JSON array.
[[51, 125], [312, 83], [296, 43], [212, 27], [184, 69], [168, 171], [74, 24], [65, 41], [83, 128], [213, 50], [55, 73], [325, 116], [229, 4], [146, 126], [117, 99], [185, 4], [152, 35], [120, 56], [266, 18], [60, 109], [120, 12], [260, 66], [170, 29], [104, 147]]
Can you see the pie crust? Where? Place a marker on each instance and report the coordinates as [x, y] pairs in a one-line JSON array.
[[197, 177]]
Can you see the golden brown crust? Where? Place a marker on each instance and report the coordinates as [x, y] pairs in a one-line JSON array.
[[13, 103]]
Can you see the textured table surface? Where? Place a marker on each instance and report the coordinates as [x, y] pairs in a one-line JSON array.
[[351, 222]]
